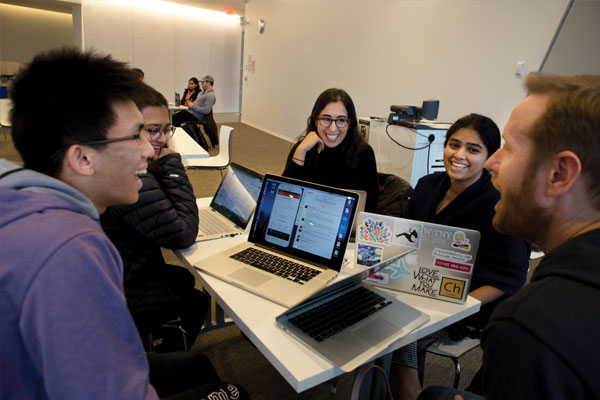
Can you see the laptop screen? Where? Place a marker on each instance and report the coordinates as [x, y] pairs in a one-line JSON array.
[[237, 194], [304, 220]]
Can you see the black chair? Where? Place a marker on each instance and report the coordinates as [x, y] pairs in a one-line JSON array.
[[210, 127]]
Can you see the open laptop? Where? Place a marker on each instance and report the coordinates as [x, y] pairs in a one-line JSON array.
[[441, 266], [296, 244], [349, 322], [232, 205], [362, 201]]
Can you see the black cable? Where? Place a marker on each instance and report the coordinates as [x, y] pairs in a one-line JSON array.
[[428, 152], [429, 138]]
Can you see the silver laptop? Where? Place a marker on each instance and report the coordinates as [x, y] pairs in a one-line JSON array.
[[297, 241], [441, 266], [232, 205], [361, 208], [350, 321]]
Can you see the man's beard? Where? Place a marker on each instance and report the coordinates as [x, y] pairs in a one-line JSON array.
[[520, 215]]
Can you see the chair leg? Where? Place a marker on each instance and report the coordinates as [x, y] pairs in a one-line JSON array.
[[457, 371]]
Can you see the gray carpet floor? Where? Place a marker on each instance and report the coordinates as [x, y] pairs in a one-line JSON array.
[[235, 359]]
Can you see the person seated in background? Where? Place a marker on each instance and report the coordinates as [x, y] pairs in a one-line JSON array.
[[199, 108], [463, 196], [331, 152], [192, 91], [66, 332], [166, 215], [542, 343]]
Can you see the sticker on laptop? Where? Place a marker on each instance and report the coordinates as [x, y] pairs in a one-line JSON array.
[[452, 287], [407, 233], [392, 271], [460, 241], [375, 231], [426, 281], [369, 255]]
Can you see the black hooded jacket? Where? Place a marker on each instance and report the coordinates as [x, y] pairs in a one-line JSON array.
[[542, 343], [166, 215]]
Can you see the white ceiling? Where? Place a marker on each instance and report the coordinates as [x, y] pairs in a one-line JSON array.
[[65, 5]]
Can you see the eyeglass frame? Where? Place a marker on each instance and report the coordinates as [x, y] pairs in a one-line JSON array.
[[337, 120], [137, 137], [156, 135]]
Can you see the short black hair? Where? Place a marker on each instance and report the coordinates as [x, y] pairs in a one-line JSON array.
[[63, 97], [139, 72], [488, 131]]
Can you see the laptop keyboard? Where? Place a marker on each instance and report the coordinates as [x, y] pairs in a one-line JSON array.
[[334, 316], [210, 224], [279, 266]]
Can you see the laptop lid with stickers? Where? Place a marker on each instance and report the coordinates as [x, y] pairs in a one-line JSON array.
[[440, 267]]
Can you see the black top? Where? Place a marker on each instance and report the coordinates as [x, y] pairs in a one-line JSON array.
[[331, 170], [542, 343], [502, 261], [166, 215], [192, 97]]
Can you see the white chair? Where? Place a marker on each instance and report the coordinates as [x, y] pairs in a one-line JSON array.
[[221, 161], [5, 107]]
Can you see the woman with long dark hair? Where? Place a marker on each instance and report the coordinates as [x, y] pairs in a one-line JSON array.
[[463, 196], [192, 91], [331, 152]]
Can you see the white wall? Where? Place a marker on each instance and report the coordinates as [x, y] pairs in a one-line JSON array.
[[462, 52], [169, 45], [576, 50], [27, 31]]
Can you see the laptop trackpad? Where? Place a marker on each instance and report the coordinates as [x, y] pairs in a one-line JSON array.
[[376, 331], [249, 277]]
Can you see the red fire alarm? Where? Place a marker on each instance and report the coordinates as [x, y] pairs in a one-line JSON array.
[[229, 10]]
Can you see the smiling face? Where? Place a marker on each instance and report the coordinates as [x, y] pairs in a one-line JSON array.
[[117, 165], [156, 117], [518, 211], [332, 136], [464, 156]]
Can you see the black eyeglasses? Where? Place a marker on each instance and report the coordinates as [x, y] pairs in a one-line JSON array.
[[339, 122], [137, 137], [155, 131], [59, 153]]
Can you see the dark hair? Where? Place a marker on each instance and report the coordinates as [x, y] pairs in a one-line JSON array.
[[147, 96], [139, 72], [352, 142], [79, 89], [195, 80], [486, 128]]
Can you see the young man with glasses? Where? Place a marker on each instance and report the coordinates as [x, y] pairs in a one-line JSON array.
[[65, 330], [166, 216]]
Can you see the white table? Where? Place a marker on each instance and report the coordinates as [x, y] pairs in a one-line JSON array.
[[255, 316], [183, 144]]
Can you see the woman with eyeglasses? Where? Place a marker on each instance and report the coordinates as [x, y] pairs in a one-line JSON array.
[[166, 216], [331, 152]]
